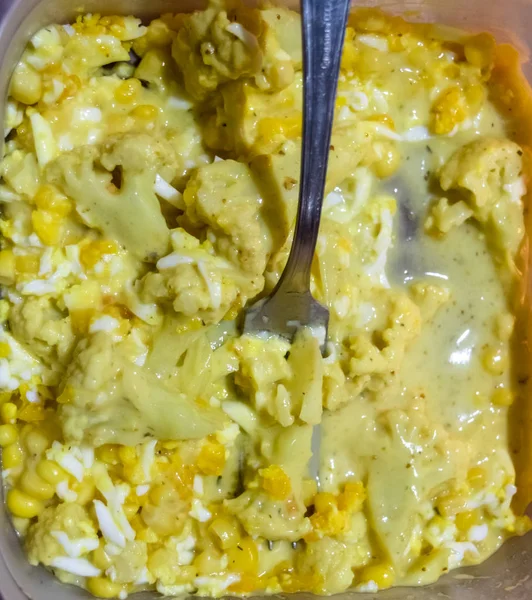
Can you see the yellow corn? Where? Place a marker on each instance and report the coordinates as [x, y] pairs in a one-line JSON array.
[[131, 509], [5, 349], [8, 435], [248, 583], [353, 496], [51, 472], [477, 478], [276, 482], [494, 360], [49, 199], [324, 502], [226, 532], [145, 112], [465, 520], [108, 454], [8, 412], [447, 111], [272, 127], [102, 587], [91, 253], [85, 490], [127, 91], [26, 84], [100, 559], [387, 161], [12, 456], [208, 562], [127, 455], [35, 486], [211, 459], [47, 226], [382, 574], [502, 397], [244, 558], [22, 505], [36, 441], [7, 266], [479, 50], [27, 264]]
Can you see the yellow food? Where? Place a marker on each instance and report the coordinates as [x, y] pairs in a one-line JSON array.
[[146, 445]]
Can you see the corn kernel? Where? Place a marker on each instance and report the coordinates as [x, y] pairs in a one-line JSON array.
[[387, 160], [108, 454], [36, 487], [479, 51], [12, 456], [382, 574], [7, 266], [5, 349], [208, 562], [494, 360], [31, 411], [100, 559], [131, 509], [91, 253], [246, 584], [127, 91], [450, 505], [127, 455], [225, 531], [353, 496], [467, 519], [8, 412], [36, 441], [51, 472], [50, 200], [523, 525], [211, 459], [47, 226], [273, 127], [477, 478], [502, 397], [324, 502], [85, 490], [26, 84], [244, 558], [8, 435], [276, 482], [447, 111], [23, 505], [145, 112], [27, 263], [102, 587]]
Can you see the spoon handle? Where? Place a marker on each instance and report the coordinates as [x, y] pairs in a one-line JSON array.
[[323, 29]]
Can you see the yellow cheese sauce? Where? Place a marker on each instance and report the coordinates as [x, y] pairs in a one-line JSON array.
[[149, 189]]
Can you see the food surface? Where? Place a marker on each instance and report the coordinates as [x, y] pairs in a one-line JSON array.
[[149, 190]]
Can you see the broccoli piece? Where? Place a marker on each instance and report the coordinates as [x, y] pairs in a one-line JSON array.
[[130, 212], [487, 174]]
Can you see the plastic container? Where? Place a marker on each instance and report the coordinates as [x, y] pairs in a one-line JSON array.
[[506, 575]]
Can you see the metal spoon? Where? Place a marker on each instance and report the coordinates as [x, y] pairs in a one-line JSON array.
[[291, 305]]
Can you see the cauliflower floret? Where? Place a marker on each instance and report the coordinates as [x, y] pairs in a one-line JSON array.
[[377, 355], [72, 519], [487, 173], [45, 331], [108, 399], [331, 561], [224, 197], [197, 282], [215, 46], [129, 213]]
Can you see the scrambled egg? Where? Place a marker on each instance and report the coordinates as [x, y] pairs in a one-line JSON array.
[[149, 189]]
